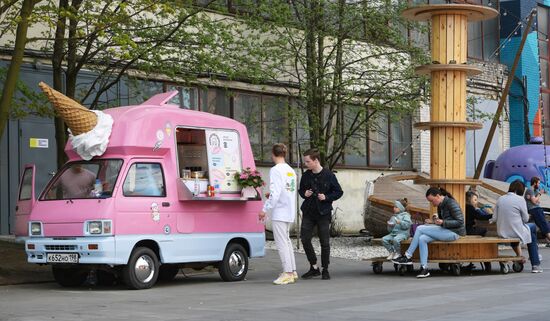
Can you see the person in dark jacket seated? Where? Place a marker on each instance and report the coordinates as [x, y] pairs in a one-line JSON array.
[[446, 226], [474, 213]]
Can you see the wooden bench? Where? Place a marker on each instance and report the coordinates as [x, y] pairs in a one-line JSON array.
[[466, 248]]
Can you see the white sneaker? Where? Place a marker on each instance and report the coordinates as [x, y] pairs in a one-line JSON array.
[[295, 276], [284, 278], [396, 255], [390, 257], [536, 269]]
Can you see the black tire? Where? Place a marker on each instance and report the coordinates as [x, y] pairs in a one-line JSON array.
[[377, 268], [444, 267], [142, 269], [504, 268], [168, 272], [455, 269], [69, 276], [487, 267], [235, 263], [517, 266]]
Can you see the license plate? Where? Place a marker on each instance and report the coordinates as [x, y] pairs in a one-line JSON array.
[[62, 258]]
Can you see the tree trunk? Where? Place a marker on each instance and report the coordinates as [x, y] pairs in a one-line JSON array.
[[57, 64], [15, 65]]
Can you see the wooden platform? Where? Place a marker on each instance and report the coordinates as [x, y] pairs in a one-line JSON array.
[[464, 249]]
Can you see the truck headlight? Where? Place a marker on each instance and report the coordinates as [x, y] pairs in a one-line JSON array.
[[35, 229], [102, 227]]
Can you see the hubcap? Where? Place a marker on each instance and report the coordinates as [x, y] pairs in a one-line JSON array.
[[236, 264], [144, 268]]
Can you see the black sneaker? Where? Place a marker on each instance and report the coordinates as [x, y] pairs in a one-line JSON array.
[[404, 260], [325, 275], [311, 273], [424, 273]]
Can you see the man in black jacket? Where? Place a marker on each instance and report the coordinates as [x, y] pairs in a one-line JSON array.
[[319, 188]]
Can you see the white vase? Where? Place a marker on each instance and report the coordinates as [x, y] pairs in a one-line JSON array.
[[249, 192]]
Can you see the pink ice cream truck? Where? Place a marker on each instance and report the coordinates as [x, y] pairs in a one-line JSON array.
[[139, 207]]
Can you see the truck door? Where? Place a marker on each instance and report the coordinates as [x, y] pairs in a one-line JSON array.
[[144, 207], [25, 201]]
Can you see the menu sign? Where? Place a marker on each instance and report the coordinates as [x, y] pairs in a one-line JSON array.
[[224, 158]]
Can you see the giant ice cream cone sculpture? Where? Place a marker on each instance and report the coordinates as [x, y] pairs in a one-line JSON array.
[[89, 130], [78, 118]]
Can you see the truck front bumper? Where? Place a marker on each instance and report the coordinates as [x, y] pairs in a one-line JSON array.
[[90, 250]]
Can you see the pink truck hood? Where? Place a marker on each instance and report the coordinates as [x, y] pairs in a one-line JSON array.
[[66, 217]]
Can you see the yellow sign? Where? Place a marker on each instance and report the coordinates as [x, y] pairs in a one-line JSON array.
[[38, 143]]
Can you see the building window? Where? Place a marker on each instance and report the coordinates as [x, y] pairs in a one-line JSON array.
[[265, 119], [379, 144], [187, 97], [248, 110]]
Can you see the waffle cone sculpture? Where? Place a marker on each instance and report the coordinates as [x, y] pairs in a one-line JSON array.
[[78, 118]]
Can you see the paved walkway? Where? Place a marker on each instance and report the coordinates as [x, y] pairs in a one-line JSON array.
[[354, 293]]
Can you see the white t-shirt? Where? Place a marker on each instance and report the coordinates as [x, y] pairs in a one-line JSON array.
[[281, 203]]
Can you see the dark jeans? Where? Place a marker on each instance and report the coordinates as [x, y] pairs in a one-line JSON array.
[[309, 222], [533, 247], [538, 217]]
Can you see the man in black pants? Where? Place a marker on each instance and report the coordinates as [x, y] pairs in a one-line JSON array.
[[319, 188]]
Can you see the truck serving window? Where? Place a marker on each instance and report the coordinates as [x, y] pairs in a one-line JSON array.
[[144, 179], [91, 179]]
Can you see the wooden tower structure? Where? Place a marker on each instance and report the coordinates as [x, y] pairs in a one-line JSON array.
[[449, 71]]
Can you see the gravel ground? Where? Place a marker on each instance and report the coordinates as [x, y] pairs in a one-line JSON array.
[[353, 248], [357, 248]]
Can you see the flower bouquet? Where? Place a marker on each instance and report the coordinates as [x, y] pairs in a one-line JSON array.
[[249, 180]]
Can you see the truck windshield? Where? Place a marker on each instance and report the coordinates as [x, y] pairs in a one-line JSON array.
[[90, 179]]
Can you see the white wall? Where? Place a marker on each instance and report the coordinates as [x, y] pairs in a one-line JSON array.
[[348, 209]]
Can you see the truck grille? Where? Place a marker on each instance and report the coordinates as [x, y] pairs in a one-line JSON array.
[[60, 247]]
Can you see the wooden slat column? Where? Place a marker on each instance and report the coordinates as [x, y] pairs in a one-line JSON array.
[[449, 71]]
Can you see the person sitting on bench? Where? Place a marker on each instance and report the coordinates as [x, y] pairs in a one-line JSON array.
[[511, 217], [474, 213], [447, 226]]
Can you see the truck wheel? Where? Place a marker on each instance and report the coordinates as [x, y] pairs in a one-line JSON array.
[[142, 269], [377, 267], [235, 263], [168, 272], [69, 277], [487, 267]]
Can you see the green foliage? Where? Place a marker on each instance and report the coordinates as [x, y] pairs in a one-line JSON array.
[[27, 101], [350, 61]]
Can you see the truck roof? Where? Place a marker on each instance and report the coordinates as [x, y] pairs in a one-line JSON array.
[[149, 128]]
